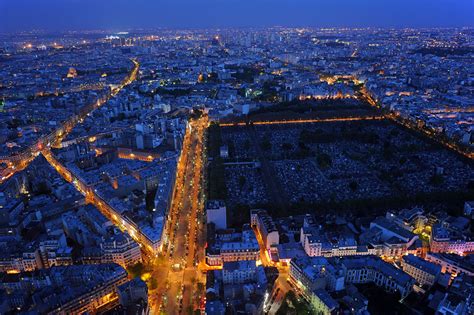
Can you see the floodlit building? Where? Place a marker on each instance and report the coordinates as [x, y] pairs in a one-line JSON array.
[[452, 263], [239, 272], [316, 242], [372, 269], [265, 226], [444, 240], [89, 287], [424, 272], [228, 245], [323, 303], [309, 274]]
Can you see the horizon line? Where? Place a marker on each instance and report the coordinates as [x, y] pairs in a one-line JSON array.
[[227, 28]]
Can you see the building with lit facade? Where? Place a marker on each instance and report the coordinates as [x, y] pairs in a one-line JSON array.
[[452, 263], [372, 269], [386, 237], [322, 303], [228, 245], [444, 240], [315, 242], [309, 273], [265, 226], [424, 272], [239, 272], [120, 249], [75, 289]]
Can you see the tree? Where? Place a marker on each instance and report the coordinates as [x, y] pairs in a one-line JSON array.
[[324, 160], [387, 153], [353, 185], [43, 188], [246, 145], [266, 145], [14, 123], [297, 237], [216, 182], [242, 181], [153, 284], [136, 270], [436, 180], [287, 146], [284, 239], [121, 116], [201, 286]]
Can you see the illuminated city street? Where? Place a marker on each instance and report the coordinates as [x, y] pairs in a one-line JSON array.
[[20, 162], [177, 268], [304, 121]]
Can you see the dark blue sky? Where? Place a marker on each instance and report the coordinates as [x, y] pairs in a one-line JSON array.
[[121, 14]]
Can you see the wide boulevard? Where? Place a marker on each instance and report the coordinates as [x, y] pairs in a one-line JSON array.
[[180, 282]]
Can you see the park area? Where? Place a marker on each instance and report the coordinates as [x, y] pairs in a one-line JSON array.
[[362, 165]]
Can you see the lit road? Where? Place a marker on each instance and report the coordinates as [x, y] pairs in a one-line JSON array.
[[93, 198], [281, 287], [20, 162], [302, 121], [365, 95], [264, 256], [177, 270]]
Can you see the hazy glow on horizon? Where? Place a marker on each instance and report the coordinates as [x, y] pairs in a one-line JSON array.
[[123, 14]]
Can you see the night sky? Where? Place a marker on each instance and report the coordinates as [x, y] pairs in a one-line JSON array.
[[57, 15]]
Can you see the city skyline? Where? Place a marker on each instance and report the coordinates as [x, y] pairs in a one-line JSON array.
[[227, 157], [53, 15]]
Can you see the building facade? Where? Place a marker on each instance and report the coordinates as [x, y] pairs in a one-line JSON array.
[[424, 272]]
